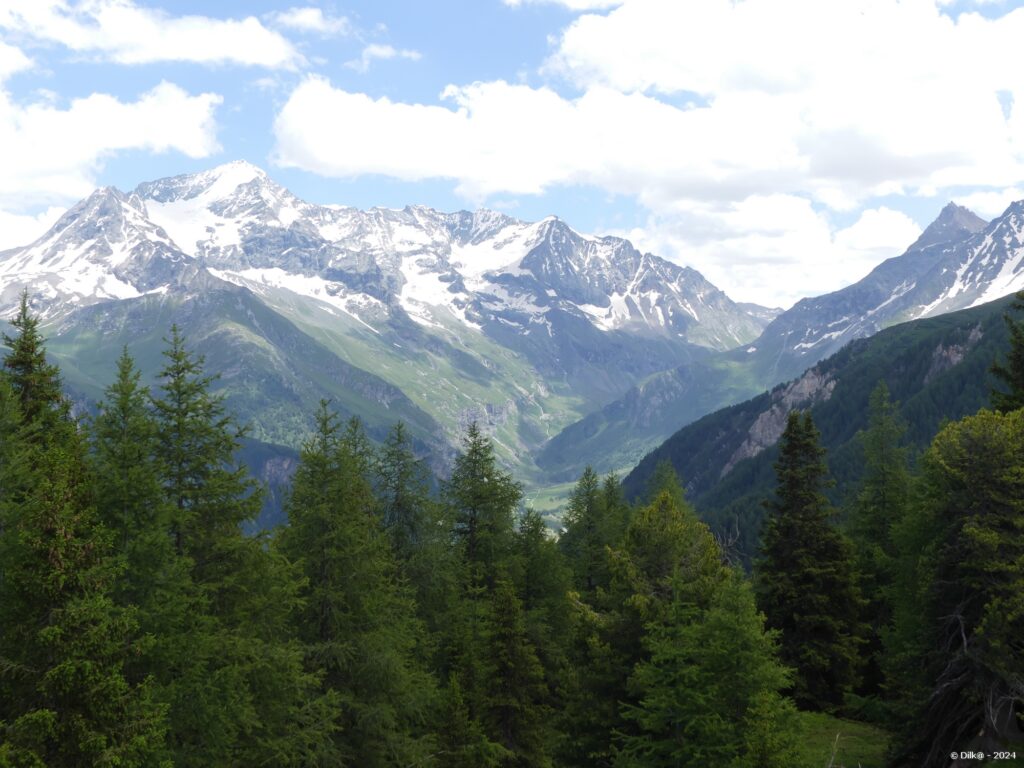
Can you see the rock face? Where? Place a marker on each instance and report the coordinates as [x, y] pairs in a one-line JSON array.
[[959, 261], [810, 389]]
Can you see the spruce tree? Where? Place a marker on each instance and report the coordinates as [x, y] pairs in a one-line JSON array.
[[64, 642], [515, 703], [357, 623], [35, 381], [65, 699], [667, 554], [805, 577], [130, 498], [1011, 373], [234, 677]]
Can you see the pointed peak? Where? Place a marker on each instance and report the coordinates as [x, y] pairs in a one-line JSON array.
[[214, 184], [953, 223]]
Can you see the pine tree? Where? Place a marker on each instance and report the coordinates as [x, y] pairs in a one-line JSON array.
[[709, 692], [591, 526], [64, 643], [462, 742], [805, 578], [358, 622], [971, 608], [1011, 373], [129, 495], [416, 525], [667, 554], [196, 444]]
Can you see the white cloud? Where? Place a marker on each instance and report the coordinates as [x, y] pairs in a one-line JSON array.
[[380, 52], [990, 203], [712, 113], [51, 156], [22, 229], [126, 33], [312, 20], [572, 5], [12, 60], [776, 249]]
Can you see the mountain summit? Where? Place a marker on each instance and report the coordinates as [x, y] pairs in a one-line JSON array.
[[438, 318]]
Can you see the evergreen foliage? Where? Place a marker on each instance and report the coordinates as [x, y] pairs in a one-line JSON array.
[[805, 578], [880, 504], [35, 381], [390, 626], [1011, 372], [709, 692], [972, 609], [357, 622]]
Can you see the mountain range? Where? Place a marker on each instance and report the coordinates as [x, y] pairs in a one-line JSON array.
[[959, 261], [567, 348], [435, 318]]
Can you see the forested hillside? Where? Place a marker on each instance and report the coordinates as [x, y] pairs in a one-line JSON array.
[[389, 625], [935, 370]]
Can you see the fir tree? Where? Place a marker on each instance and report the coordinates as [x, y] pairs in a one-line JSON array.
[[1011, 373], [65, 699], [667, 554], [805, 578], [358, 622], [129, 494]]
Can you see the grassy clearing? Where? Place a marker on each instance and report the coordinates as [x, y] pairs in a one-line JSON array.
[[859, 745]]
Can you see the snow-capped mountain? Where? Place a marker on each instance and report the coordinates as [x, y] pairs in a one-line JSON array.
[[480, 268], [959, 261], [523, 326]]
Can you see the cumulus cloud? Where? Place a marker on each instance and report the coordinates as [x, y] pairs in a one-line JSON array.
[[312, 20], [711, 113], [21, 229], [52, 155], [380, 52], [121, 31], [990, 203], [12, 60], [776, 249]]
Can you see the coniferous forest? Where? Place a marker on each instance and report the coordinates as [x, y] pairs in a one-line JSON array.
[[394, 623]]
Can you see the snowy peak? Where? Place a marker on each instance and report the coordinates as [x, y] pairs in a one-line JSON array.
[[215, 184], [482, 269], [105, 247], [953, 223]]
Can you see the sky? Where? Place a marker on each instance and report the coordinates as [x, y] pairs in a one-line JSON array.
[[782, 148]]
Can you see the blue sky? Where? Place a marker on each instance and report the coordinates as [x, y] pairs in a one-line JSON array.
[[781, 147]]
